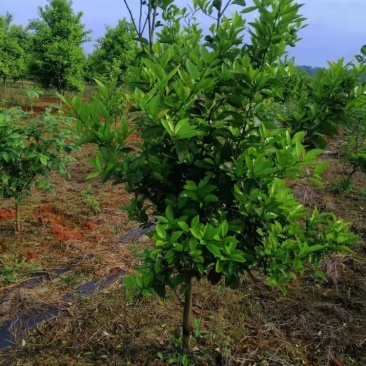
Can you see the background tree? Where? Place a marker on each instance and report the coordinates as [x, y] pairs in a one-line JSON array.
[[114, 52], [23, 39], [30, 150], [58, 58], [13, 62], [311, 71]]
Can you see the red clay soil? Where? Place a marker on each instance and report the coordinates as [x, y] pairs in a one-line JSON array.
[[29, 256], [60, 226], [7, 214]]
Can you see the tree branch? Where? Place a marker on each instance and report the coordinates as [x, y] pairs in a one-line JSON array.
[[132, 18]]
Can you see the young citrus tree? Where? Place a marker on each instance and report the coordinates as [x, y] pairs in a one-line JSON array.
[[30, 150], [211, 171]]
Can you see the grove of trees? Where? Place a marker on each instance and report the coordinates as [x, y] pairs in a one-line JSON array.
[[50, 50]]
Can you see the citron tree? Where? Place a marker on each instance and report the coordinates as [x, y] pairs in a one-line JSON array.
[[210, 170]]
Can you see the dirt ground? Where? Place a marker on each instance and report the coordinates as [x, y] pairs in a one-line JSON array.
[[79, 227]]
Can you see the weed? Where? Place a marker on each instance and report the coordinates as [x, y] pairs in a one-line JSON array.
[[136, 247], [68, 281], [176, 359], [89, 199], [33, 93], [342, 185], [9, 272], [198, 332]]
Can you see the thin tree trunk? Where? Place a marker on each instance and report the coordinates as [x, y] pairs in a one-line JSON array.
[[62, 92], [187, 315], [17, 218]]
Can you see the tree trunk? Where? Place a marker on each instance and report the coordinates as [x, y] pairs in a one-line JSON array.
[[4, 85], [17, 218], [187, 315]]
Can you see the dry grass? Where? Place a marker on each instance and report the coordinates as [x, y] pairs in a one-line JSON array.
[[312, 325]]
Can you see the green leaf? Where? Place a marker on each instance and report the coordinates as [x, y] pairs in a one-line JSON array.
[[224, 228], [93, 175], [344, 248], [193, 244], [160, 230], [319, 141], [183, 225], [43, 159], [321, 167], [321, 275], [215, 250], [192, 70], [315, 248], [184, 130], [169, 214], [99, 161], [240, 2], [237, 257], [316, 182], [196, 233], [210, 198], [249, 9], [169, 126]]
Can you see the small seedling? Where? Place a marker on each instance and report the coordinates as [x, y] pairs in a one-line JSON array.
[[89, 199], [32, 93]]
